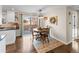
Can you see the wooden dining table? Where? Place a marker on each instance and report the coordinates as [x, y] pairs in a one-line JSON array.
[[43, 32]]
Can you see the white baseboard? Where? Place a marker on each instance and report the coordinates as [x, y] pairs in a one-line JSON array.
[[66, 43], [69, 42]]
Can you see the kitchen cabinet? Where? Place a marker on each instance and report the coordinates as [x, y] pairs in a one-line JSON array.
[[10, 16], [2, 43], [10, 37]]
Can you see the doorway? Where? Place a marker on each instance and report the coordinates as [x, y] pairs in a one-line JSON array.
[[29, 22], [74, 24]]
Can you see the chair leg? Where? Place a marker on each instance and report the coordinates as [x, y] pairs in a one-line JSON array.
[[48, 40], [36, 38], [33, 37]]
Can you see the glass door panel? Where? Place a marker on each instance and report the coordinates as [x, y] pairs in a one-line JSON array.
[[29, 23]]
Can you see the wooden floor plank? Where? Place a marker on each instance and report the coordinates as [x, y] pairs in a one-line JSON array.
[[24, 45]]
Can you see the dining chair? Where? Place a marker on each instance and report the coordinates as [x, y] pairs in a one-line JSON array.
[[45, 35], [35, 35]]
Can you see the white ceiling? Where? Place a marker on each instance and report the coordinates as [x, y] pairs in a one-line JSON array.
[[75, 7], [24, 8], [28, 8], [33, 8]]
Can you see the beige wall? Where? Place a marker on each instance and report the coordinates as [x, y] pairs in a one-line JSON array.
[[57, 31], [62, 31], [68, 26]]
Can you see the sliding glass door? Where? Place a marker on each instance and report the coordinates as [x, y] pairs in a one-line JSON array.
[[29, 22]]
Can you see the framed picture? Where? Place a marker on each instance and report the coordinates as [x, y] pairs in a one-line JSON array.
[[54, 20]]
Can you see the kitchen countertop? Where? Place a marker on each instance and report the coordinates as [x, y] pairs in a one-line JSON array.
[[6, 29], [9, 26]]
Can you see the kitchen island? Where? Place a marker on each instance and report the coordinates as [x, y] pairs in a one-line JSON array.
[[10, 31], [10, 36]]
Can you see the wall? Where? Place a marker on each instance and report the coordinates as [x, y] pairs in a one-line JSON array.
[[0, 14], [78, 23], [69, 24], [62, 31], [57, 31]]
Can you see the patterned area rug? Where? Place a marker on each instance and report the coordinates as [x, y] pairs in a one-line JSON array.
[[43, 48]]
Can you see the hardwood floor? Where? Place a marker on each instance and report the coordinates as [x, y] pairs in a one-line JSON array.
[[24, 45], [21, 46], [62, 49]]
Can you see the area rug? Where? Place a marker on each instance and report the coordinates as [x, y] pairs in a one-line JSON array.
[[43, 48]]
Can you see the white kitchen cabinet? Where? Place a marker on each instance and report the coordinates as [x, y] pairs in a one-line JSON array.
[[10, 37], [2, 43], [10, 16]]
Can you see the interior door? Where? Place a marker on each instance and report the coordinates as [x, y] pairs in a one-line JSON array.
[[74, 24]]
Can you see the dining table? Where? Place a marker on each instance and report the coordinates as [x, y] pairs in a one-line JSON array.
[[43, 33]]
